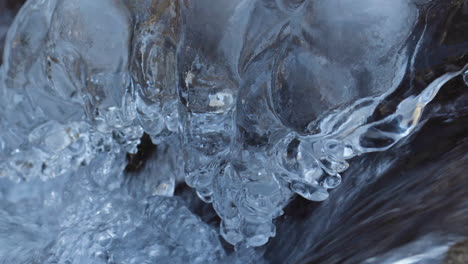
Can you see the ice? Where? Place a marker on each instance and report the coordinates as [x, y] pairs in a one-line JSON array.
[[153, 65], [100, 225], [70, 91], [247, 102]]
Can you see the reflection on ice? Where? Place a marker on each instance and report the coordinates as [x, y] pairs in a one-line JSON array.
[[247, 102]]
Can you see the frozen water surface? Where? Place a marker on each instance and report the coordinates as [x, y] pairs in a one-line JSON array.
[[109, 105]]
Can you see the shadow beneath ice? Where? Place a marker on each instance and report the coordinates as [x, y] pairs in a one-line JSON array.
[[8, 9]]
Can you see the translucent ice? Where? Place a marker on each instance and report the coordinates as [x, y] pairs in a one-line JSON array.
[[249, 102], [99, 224]]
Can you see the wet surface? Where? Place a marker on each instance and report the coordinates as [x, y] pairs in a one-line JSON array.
[[416, 191]]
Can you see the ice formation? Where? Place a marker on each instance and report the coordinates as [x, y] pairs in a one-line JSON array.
[[252, 101]]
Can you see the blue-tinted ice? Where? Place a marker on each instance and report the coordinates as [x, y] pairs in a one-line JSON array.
[[249, 102]]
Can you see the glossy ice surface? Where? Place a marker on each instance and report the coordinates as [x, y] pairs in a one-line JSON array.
[[249, 102]]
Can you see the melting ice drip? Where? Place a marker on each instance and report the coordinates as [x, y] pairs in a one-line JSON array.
[[254, 109]]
